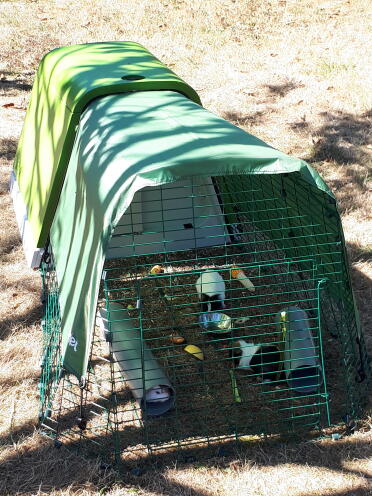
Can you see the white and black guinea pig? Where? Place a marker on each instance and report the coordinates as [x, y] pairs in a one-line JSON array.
[[261, 360], [211, 291]]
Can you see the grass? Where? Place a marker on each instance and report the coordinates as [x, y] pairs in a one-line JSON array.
[[293, 72]]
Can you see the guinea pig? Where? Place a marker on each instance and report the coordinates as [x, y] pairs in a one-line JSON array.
[[261, 360], [211, 291]]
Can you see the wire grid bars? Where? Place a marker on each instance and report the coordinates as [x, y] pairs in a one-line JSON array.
[[215, 298], [51, 360], [65, 403]]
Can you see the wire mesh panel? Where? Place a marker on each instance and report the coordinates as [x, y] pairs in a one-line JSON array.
[[225, 309], [225, 369], [51, 360]]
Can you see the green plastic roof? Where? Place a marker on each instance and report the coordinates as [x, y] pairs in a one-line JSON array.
[[125, 143], [67, 80]]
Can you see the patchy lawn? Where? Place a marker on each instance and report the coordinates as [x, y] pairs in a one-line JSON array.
[[294, 73]]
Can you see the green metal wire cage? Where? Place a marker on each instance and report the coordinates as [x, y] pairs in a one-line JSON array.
[[225, 309]]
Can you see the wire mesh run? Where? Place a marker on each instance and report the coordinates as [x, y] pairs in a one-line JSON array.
[[225, 310]]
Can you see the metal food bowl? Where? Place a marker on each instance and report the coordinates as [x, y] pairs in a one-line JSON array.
[[215, 322]]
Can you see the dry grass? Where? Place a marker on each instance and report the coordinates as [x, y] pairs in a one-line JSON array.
[[294, 73]]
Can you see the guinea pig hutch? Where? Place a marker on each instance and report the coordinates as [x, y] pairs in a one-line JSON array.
[[195, 280]]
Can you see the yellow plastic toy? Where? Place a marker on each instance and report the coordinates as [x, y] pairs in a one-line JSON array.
[[195, 351]]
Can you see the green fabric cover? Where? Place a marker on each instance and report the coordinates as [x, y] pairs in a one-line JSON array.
[[68, 78], [124, 143]]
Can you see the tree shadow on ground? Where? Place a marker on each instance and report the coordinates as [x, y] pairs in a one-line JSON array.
[[359, 253], [362, 286], [7, 383], [301, 125], [241, 120], [41, 465], [341, 137], [281, 90], [11, 83], [28, 318], [273, 92], [340, 146], [10, 242], [8, 148], [18, 434]]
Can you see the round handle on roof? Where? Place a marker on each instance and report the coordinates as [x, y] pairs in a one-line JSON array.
[[133, 77]]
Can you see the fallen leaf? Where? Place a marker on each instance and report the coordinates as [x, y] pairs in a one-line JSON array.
[[12, 106]]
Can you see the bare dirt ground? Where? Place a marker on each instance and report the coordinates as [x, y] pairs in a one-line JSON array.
[[295, 73]]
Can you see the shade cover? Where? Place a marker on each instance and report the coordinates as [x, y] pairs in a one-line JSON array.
[[67, 79], [125, 143]]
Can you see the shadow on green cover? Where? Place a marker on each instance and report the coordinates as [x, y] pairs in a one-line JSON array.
[[67, 79]]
